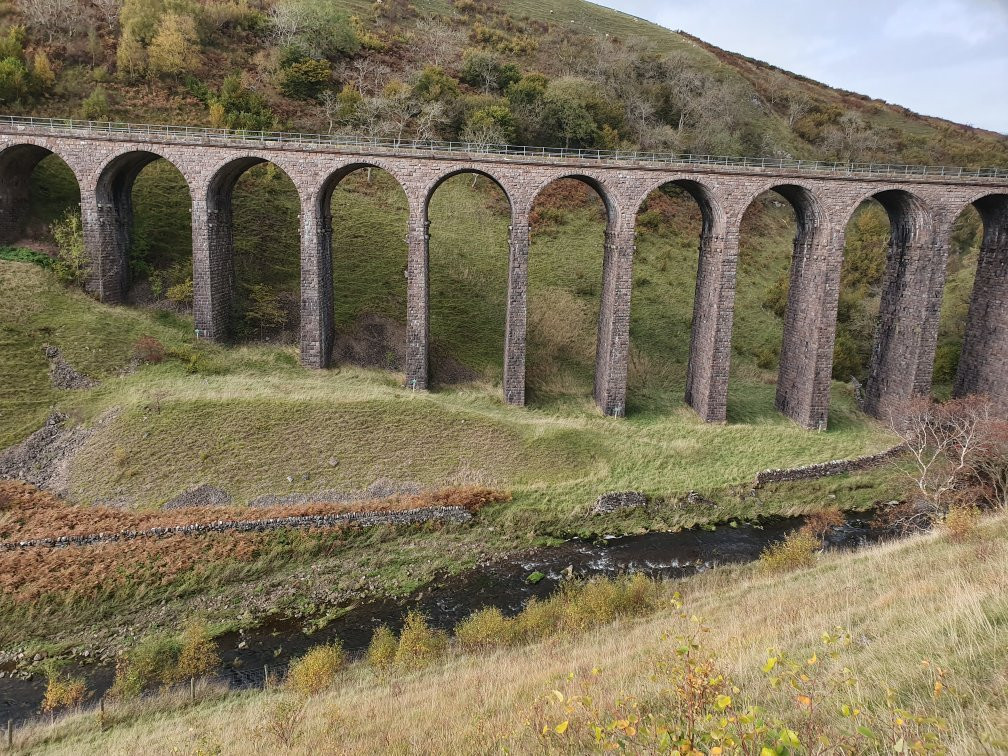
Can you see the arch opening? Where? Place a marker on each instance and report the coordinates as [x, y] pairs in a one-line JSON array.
[[144, 234], [363, 215], [469, 215], [570, 231], [37, 189], [674, 227], [247, 272], [784, 303]]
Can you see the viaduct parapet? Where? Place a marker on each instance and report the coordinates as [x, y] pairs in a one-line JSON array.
[[921, 203]]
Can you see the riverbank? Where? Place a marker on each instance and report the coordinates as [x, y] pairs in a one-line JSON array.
[[923, 619]]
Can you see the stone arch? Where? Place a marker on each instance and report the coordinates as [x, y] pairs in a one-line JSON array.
[[18, 161], [475, 326], [597, 183], [983, 363], [806, 354], [317, 261], [906, 333], [213, 242], [703, 353], [109, 238]]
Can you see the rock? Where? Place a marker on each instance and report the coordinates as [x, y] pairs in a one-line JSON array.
[[535, 577], [333, 461], [616, 501], [62, 375], [243, 645], [695, 498], [203, 495]]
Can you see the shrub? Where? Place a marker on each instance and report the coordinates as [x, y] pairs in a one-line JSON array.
[[961, 522], [796, 551], [153, 661], [63, 692], [305, 80], [71, 264], [818, 524], [486, 628], [419, 643], [150, 350], [199, 655], [538, 620], [283, 722], [381, 651], [96, 106], [315, 671], [20, 254], [181, 294]]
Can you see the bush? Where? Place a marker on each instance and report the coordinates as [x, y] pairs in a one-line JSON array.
[[305, 80], [818, 524], [153, 661], [796, 551], [71, 264], [198, 656], [961, 522], [181, 294], [315, 671], [96, 106], [419, 643], [487, 628], [150, 350], [20, 254], [63, 692], [381, 651]]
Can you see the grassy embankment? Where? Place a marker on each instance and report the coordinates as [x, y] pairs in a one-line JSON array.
[[918, 629], [247, 418]]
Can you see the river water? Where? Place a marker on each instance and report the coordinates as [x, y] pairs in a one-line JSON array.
[[448, 600]]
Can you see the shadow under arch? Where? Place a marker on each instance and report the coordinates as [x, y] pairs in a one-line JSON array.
[[114, 197], [471, 228], [214, 248], [668, 203], [362, 329], [806, 353], [558, 321], [906, 331], [983, 362]]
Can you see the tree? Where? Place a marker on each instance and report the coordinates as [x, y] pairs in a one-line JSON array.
[[175, 48], [320, 27], [434, 84], [437, 43], [42, 69], [237, 107], [493, 125], [851, 140], [53, 18], [798, 106], [487, 73], [131, 57], [109, 11]]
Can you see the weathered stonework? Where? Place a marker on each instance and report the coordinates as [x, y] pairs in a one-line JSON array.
[[921, 209]]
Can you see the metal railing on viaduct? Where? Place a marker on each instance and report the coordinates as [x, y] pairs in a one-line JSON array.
[[922, 203]]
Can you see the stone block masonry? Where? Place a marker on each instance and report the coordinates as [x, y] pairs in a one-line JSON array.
[[921, 209]]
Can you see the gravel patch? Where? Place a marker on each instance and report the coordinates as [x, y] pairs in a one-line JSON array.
[[203, 495], [62, 375], [383, 488], [43, 459]]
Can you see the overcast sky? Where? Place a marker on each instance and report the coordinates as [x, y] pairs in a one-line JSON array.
[[946, 58]]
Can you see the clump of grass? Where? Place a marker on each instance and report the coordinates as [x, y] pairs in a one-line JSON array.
[[795, 552], [419, 643], [381, 652], [818, 524], [487, 628], [151, 662], [316, 671]]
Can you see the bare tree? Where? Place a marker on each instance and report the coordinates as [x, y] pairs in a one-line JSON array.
[[428, 121], [436, 42], [798, 106], [109, 11], [945, 442], [330, 106], [286, 22], [54, 18], [852, 139], [366, 74]]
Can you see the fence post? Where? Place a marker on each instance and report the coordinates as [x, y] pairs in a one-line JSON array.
[[265, 676], [101, 707], [10, 733], [192, 688]]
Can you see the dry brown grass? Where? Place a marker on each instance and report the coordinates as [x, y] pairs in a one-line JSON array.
[[26, 512], [924, 600]]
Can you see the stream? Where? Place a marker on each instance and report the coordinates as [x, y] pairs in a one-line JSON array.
[[448, 600]]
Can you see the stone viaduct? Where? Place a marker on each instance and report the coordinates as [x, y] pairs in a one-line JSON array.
[[922, 205]]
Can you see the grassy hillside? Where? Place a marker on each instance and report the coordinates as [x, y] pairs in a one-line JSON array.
[[874, 651]]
